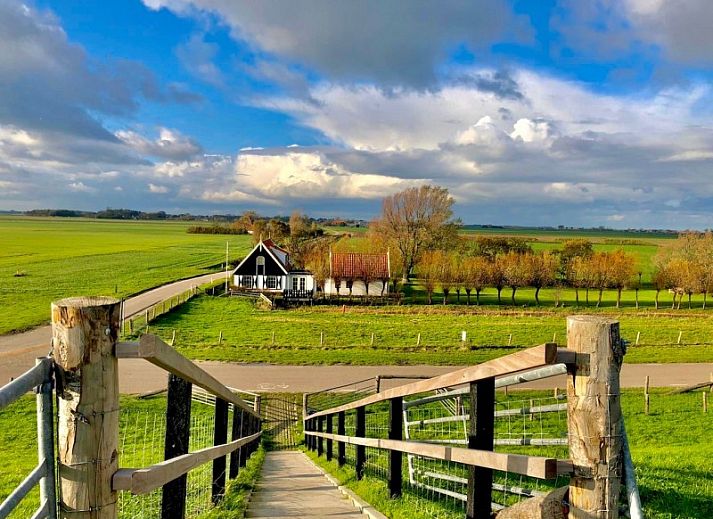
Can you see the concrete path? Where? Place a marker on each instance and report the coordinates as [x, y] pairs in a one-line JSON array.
[[19, 350], [292, 486]]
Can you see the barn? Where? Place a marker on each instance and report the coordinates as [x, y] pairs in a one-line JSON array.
[[358, 274], [267, 268]]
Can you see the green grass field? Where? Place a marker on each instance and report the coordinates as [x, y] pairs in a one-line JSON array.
[[248, 333], [63, 257]]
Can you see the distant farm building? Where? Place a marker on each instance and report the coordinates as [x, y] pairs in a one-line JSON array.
[[358, 274], [268, 269]]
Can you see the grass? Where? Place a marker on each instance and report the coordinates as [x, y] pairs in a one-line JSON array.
[[671, 448], [61, 257], [248, 331]]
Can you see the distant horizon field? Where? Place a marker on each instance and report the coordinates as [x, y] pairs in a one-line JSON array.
[[61, 257]]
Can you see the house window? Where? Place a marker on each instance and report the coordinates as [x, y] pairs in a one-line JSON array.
[[260, 266], [246, 281], [294, 284], [271, 282], [302, 284]]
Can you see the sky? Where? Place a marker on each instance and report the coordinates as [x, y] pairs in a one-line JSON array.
[[549, 112]]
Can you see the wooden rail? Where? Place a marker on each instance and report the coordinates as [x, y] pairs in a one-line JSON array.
[[535, 357], [143, 481], [533, 466], [157, 352]]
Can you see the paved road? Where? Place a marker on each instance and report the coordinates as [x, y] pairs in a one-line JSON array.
[[18, 351]]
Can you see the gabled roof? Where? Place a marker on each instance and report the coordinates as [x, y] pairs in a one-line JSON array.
[[280, 256], [358, 265]]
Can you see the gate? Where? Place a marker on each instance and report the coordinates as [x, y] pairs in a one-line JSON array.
[[282, 420]]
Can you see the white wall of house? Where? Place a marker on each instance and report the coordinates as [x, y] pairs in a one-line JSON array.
[[300, 281], [358, 288]]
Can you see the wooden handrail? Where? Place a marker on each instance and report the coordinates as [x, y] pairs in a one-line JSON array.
[[527, 359], [533, 466], [157, 352], [142, 481]]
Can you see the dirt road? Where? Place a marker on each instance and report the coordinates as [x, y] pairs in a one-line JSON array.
[[18, 351]]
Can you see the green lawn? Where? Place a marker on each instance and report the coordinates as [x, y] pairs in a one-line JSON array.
[[61, 257], [346, 333]]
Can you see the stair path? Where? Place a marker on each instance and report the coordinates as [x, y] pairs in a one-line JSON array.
[[292, 486]]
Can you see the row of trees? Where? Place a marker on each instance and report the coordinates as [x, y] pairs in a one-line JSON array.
[[685, 267], [455, 272]]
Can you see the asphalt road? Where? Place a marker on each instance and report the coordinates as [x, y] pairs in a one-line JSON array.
[[19, 350]]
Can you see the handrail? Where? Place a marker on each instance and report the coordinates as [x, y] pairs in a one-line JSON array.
[[533, 466], [33, 377], [537, 356], [157, 352], [143, 481]]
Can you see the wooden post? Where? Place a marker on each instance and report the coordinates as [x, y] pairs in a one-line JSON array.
[[705, 402], [396, 430], [131, 326], [418, 340], [480, 436], [257, 407], [377, 380], [220, 436], [173, 338], [84, 336], [236, 432], [178, 428], [273, 338], [220, 337], [372, 340], [341, 446], [321, 338], [329, 442], [360, 449], [646, 395], [320, 440], [594, 416]]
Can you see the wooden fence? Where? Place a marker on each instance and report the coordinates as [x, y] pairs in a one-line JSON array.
[[597, 457], [84, 368]]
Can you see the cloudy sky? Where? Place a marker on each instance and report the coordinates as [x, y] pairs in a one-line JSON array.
[[596, 112]]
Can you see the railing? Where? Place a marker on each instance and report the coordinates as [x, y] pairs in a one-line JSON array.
[[437, 465], [141, 319], [84, 367], [297, 294], [39, 379]]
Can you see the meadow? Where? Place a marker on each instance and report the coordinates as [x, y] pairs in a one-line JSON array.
[[44, 259], [325, 334]]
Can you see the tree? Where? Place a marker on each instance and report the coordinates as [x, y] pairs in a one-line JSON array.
[[572, 249], [543, 271], [518, 271], [621, 267], [577, 275], [662, 279], [416, 220], [496, 275], [600, 273], [476, 271], [316, 260], [492, 246], [430, 270]]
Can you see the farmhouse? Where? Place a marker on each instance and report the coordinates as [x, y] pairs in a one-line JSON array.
[[268, 269], [358, 274]]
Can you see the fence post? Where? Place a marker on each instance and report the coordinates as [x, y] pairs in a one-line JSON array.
[[220, 436], [396, 430], [341, 446], [178, 427], [257, 407], [45, 443], [236, 433], [320, 440], [84, 335], [480, 436], [594, 416], [360, 449], [329, 441]]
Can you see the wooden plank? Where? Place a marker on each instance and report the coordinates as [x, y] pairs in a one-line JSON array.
[[178, 428], [237, 432], [220, 437], [527, 359], [157, 352], [396, 431], [480, 437], [341, 447], [142, 481], [329, 442], [360, 450], [533, 466]]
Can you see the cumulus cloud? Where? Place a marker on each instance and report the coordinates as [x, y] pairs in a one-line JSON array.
[[170, 144], [370, 40]]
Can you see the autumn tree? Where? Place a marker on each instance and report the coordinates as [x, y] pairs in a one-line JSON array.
[[518, 271], [543, 271], [476, 272], [416, 220], [316, 260], [621, 267], [577, 275], [496, 275], [573, 249], [429, 270]]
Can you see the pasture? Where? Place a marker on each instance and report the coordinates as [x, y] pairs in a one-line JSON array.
[[343, 335], [44, 259]]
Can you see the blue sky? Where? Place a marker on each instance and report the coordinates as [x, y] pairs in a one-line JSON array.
[[550, 112]]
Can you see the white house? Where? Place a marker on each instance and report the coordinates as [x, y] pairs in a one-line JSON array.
[[358, 274], [268, 269]]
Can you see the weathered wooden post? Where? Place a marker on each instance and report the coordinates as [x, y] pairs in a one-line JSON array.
[[178, 427], [341, 446], [84, 335], [320, 440], [360, 449], [480, 436], [220, 436], [396, 431], [594, 416]]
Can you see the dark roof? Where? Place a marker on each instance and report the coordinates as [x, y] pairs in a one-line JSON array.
[[358, 265]]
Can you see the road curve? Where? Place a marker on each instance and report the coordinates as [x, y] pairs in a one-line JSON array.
[[19, 350]]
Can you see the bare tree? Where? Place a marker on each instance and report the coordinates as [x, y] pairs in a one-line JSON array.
[[429, 270], [416, 220], [496, 275], [543, 271], [518, 271]]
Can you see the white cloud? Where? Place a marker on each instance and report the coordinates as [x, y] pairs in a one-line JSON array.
[[154, 188], [81, 187], [170, 144]]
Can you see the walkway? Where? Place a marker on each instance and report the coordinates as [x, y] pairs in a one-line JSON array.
[[292, 486]]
